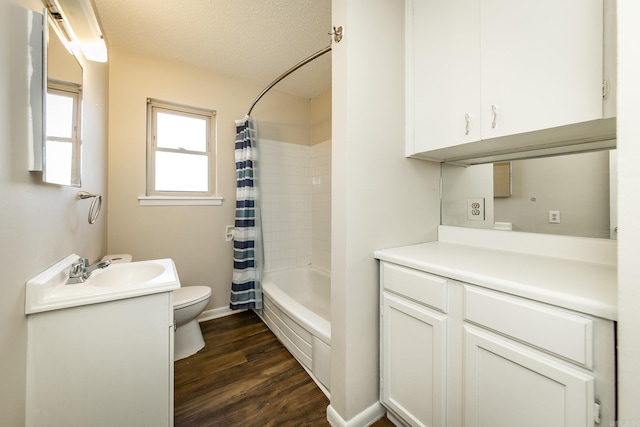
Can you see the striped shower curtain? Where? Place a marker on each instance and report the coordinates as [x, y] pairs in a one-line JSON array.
[[246, 290]]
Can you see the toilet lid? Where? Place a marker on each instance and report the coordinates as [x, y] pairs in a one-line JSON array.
[[190, 295]]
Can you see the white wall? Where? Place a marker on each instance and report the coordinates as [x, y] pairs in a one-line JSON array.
[[193, 236], [628, 212], [39, 224], [321, 118], [379, 198]]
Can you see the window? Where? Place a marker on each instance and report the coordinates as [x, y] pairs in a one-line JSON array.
[[180, 152], [62, 133]]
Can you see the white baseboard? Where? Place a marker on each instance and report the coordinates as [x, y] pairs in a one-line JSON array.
[[394, 420], [365, 418], [215, 313]]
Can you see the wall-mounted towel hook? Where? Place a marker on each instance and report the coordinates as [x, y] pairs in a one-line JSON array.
[[337, 34], [96, 204]]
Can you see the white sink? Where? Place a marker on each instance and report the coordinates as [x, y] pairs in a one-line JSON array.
[[129, 274], [49, 290]]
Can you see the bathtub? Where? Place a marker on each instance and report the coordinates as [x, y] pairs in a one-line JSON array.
[[297, 308]]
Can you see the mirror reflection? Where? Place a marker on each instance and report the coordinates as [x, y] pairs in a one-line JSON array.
[[63, 100], [567, 195]]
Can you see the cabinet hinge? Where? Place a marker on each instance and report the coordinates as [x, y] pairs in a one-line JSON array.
[[605, 88], [596, 412]]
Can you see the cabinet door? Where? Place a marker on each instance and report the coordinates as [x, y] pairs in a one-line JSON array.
[[541, 64], [507, 385], [413, 360], [102, 364], [443, 73]]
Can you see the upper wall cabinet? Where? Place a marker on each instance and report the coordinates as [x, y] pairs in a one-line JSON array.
[[498, 77], [443, 73]]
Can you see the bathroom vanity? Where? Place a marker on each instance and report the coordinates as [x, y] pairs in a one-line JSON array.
[[484, 336], [100, 353]]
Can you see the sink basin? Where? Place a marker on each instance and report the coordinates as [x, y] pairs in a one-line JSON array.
[[49, 290], [129, 274]]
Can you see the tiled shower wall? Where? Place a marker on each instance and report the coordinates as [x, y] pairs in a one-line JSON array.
[[321, 205], [295, 192]]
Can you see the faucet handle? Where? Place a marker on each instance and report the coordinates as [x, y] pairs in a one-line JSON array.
[[78, 271], [77, 268]]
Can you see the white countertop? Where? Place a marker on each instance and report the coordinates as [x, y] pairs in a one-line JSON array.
[[581, 286]]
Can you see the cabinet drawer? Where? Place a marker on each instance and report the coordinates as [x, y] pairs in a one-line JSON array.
[[419, 286], [556, 331]]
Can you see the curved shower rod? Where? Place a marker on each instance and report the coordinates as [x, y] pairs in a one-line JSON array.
[[305, 61]]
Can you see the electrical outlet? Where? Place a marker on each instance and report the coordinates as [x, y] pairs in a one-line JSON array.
[[554, 217], [475, 209], [228, 233]]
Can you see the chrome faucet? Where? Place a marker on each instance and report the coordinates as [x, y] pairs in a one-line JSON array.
[[81, 270]]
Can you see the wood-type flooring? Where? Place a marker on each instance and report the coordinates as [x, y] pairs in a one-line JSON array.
[[245, 377]]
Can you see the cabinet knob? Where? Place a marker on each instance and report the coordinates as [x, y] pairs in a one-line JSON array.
[[494, 116], [467, 123]]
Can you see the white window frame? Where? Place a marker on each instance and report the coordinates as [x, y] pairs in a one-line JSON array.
[[154, 197], [73, 91]]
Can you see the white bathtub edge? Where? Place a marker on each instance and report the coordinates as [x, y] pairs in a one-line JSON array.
[[311, 321]]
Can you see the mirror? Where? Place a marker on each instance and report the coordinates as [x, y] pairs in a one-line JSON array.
[[567, 195], [63, 110], [29, 24]]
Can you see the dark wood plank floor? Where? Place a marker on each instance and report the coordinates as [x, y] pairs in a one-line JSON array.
[[245, 377]]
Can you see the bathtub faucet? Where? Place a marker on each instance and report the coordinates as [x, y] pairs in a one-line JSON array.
[[81, 270]]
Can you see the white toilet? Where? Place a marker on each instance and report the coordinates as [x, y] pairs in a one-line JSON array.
[[188, 303]]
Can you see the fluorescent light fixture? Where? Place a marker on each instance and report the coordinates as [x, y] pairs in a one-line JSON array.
[[95, 51], [80, 21]]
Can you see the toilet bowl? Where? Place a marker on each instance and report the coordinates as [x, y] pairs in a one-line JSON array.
[[188, 303]]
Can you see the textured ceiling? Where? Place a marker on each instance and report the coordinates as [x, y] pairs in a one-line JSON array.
[[250, 40]]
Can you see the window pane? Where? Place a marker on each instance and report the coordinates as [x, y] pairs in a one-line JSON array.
[[177, 131], [181, 172], [59, 115], [58, 160]]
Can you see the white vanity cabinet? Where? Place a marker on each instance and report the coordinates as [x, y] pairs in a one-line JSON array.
[[507, 384], [478, 70], [106, 364], [530, 364], [454, 353], [415, 345], [414, 361]]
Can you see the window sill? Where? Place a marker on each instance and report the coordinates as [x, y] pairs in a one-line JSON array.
[[179, 201]]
